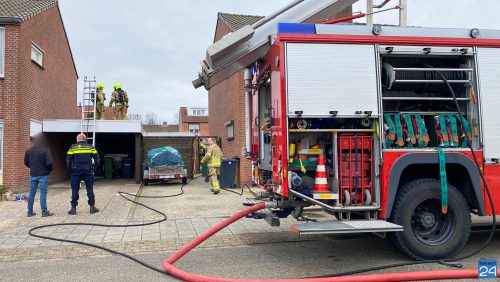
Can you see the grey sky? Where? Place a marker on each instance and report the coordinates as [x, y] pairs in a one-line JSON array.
[[153, 47]]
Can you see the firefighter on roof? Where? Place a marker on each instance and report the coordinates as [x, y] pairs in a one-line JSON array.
[[101, 97], [213, 158], [120, 98]]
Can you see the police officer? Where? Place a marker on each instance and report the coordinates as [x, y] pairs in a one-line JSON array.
[[213, 158], [79, 160], [101, 97], [120, 98]]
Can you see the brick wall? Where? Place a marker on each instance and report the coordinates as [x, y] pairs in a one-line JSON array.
[[204, 129], [227, 99], [183, 144], [35, 92], [9, 109]]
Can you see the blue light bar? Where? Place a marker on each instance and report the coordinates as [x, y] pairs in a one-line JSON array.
[[297, 28]]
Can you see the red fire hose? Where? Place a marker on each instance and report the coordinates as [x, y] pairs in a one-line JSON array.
[[402, 276]]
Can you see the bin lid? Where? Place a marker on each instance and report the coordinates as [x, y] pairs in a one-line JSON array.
[[229, 160]]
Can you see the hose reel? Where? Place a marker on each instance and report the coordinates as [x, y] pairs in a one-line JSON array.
[[421, 79]]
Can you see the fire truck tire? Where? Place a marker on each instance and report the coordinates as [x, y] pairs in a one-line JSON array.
[[428, 234], [146, 182]]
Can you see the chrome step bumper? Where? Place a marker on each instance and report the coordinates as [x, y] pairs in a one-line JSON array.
[[346, 227]]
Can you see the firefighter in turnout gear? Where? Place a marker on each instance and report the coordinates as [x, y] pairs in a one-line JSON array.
[[81, 159], [101, 97], [120, 98], [213, 158]]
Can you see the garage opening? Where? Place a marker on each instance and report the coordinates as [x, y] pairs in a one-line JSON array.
[[119, 144]]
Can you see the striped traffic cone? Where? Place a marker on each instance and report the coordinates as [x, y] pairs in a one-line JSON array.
[[321, 182]]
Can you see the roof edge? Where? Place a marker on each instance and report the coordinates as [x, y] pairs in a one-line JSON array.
[[67, 40], [10, 20], [220, 17], [39, 10]]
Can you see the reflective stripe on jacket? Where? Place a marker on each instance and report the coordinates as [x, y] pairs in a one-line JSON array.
[[81, 155]]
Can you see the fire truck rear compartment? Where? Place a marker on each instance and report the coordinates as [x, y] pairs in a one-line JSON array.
[[415, 98]]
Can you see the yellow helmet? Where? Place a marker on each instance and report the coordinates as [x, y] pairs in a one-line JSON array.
[[100, 86], [117, 86]]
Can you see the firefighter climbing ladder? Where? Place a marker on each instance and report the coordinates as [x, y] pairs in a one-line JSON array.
[[88, 109]]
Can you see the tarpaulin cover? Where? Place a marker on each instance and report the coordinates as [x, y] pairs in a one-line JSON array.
[[167, 157]]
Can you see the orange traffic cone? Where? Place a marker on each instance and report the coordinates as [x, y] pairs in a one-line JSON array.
[[321, 182]]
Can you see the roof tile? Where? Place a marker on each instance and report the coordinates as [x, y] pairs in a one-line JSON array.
[[235, 21], [25, 9]]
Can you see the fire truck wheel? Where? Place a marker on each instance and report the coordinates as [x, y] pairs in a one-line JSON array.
[[428, 233]]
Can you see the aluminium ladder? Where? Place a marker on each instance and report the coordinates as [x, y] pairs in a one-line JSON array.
[[88, 123]]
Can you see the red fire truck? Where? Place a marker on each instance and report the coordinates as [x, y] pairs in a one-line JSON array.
[[371, 105]]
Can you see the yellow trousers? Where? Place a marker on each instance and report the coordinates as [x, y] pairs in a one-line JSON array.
[[214, 178], [99, 111], [120, 112]]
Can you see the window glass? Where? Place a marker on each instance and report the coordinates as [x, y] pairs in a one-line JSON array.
[[36, 55], [230, 131], [198, 112], [194, 129]]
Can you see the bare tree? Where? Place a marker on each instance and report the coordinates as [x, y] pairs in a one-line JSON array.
[[134, 117], [176, 118], [151, 119]]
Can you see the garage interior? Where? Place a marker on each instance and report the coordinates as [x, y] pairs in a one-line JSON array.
[[117, 142], [123, 141]]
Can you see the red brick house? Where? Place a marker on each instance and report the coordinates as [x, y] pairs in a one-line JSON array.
[[227, 99], [38, 80], [194, 120]]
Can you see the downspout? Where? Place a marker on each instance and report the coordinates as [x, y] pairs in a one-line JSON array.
[[248, 78]]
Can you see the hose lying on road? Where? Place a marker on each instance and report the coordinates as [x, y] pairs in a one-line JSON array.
[[401, 276], [171, 270], [122, 194]]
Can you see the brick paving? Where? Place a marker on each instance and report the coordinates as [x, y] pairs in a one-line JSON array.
[[189, 215]]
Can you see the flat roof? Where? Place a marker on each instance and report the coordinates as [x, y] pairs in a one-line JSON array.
[[168, 134], [107, 126], [102, 126]]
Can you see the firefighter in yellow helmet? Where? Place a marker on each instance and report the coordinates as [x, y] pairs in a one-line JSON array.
[[213, 158], [120, 99], [101, 97]]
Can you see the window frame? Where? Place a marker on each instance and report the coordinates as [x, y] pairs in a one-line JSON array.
[[229, 134], [198, 112], [40, 51], [2, 51], [197, 130]]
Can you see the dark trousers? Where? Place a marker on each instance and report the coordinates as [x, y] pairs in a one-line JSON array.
[[76, 178]]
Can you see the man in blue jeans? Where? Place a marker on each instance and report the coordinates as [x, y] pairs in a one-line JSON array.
[[38, 159]]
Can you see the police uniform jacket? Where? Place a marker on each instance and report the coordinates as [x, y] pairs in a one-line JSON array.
[[79, 158]]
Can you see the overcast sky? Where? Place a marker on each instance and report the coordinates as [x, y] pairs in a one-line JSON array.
[[153, 47]]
